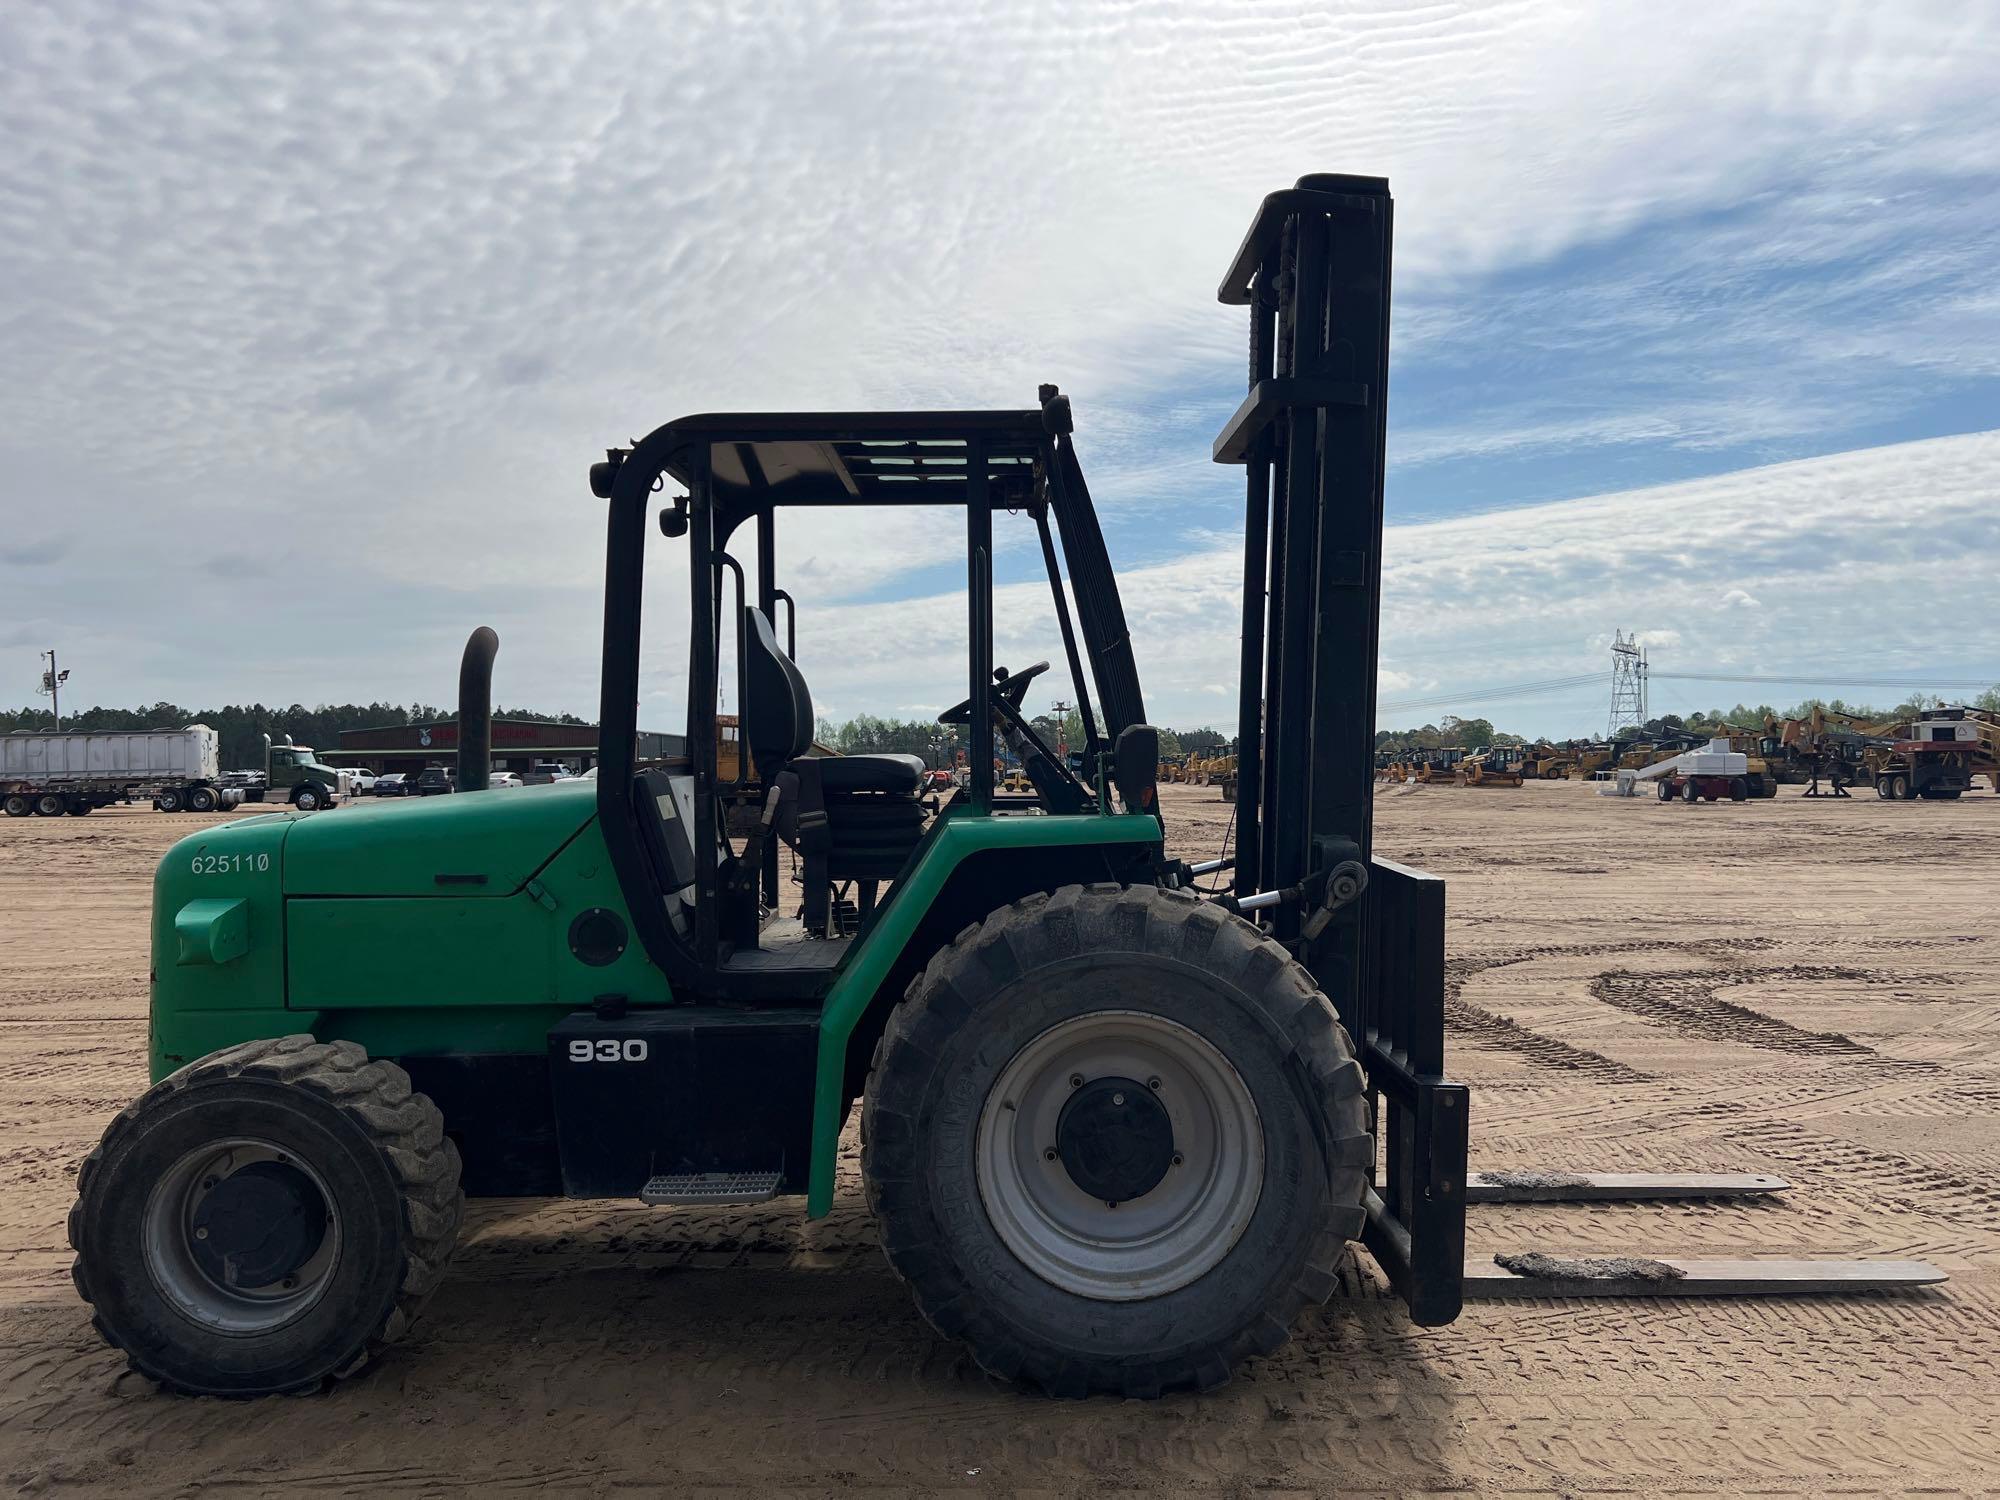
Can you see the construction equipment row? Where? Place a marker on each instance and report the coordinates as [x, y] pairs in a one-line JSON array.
[[1933, 756]]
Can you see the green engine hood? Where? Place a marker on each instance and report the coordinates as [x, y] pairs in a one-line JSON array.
[[466, 844]]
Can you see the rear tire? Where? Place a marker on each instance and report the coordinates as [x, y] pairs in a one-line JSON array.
[[18, 805], [1899, 789], [1739, 789], [78, 808], [1234, 1063], [1690, 793], [169, 799], [1666, 791], [201, 799], [344, 1212], [51, 805]]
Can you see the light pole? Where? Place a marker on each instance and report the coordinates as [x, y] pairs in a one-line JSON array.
[[52, 681], [1061, 710]]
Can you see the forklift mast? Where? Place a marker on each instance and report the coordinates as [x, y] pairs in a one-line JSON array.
[[1310, 433]]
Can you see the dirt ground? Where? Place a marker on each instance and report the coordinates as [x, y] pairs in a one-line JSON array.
[[1798, 987]]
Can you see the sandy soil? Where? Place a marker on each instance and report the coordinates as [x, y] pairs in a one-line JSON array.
[[1798, 987]]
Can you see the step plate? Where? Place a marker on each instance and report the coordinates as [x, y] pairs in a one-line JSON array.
[[693, 1188], [1614, 1187], [1670, 1276]]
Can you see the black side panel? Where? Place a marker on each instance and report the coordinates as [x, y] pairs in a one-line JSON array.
[[692, 1089], [497, 1106]]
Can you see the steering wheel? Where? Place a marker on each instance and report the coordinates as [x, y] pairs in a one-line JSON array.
[[1013, 686]]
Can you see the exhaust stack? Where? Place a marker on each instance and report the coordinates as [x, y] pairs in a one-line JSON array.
[[475, 709]]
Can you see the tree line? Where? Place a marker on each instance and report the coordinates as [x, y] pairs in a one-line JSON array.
[[939, 744], [241, 727]]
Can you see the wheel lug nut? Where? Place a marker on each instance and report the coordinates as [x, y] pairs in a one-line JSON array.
[[1049, 1155], [207, 1183], [1076, 1080], [201, 1234], [1117, 1098], [1152, 1083], [1178, 1159]]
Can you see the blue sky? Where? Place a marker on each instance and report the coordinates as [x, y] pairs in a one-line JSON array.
[[317, 314]]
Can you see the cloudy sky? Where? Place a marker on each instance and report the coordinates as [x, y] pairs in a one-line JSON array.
[[315, 315]]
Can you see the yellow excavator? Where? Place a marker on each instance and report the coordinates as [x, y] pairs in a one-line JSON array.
[[1587, 760]]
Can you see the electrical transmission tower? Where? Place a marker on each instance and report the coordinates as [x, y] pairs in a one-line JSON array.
[[1628, 684]]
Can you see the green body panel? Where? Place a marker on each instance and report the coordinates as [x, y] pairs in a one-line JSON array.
[[955, 840], [434, 969], [199, 1007], [399, 846], [336, 924]]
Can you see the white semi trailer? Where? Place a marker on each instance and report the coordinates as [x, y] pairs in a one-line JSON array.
[[54, 774]]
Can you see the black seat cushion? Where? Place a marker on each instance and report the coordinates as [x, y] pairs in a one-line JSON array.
[[840, 775]]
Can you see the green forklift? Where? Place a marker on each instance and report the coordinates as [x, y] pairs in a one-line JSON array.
[[1122, 1112]]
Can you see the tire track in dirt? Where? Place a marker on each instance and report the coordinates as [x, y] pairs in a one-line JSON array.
[[1482, 1027], [1888, 1179], [1687, 1004]]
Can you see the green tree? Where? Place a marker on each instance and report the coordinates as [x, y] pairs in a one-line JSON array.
[[1473, 734]]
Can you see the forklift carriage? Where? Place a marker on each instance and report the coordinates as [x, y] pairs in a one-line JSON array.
[[1117, 1128]]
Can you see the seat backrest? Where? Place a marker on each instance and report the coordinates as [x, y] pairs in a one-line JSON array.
[[780, 711]]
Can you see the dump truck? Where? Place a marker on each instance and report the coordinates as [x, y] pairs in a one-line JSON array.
[[79, 770]]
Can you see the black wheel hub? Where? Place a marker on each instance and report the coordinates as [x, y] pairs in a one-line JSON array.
[[1115, 1139], [258, 1226]]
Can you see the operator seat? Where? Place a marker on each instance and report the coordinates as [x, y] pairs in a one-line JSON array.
[[850, 817]]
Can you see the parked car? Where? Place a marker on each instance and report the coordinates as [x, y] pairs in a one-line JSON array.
[[391, 784], [434, 781], [361, 780], [542, 772], [499, 779]]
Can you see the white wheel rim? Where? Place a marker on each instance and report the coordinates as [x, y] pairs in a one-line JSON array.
[[1156, 1243], [172, 1263]]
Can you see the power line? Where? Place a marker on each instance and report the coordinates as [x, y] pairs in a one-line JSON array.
[[1489, 694], [1835, 681]]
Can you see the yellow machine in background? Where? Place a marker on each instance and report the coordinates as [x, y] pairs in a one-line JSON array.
[[1437, 767], [1496, 765]]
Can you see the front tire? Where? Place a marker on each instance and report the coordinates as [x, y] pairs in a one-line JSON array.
[[306, 799], [266, 1219], [1115, 1140]]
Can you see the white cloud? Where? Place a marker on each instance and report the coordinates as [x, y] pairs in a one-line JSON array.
[[1526, 595], [315, 316]]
